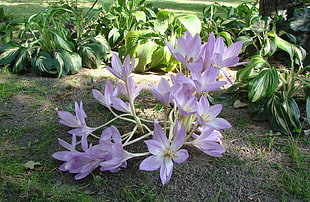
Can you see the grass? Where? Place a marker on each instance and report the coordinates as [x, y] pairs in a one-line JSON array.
[[24, 8]]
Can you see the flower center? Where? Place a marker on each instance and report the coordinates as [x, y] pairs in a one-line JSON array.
[[205, 117], [169, 154]]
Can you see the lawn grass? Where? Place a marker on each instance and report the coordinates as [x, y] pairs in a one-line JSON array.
[[28, 7]]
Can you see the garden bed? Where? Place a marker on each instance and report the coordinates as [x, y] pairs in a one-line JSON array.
[[259, 165]]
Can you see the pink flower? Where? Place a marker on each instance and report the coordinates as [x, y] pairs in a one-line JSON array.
[[207, 115], [77, 122], [121, 71], [164, 152], [209, 141]]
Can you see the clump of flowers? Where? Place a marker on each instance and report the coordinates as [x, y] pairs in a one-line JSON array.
[[189, 119]]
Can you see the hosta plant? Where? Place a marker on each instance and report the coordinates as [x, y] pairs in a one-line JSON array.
[[274, 89]]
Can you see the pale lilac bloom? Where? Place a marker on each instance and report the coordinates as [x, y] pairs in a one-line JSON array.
[[189, 49], [201, 82], [111, 138], [217, 54], [209, 141], [121, 71], [77, 122], [120, 105], [162, 92], [82, 163], [186, 102], [133, 90], [207, 115], [105, 99], [207, 81], [164, 152]]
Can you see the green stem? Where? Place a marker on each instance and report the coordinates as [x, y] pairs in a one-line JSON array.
[[133, 110], [137, 139]]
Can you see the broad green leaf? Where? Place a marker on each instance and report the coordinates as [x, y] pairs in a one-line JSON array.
[[140, 16], [72, 62], [144, 54], [59, 65], [43, 64], [62, 43], [246, 41], [22, 60], [131, 42], [282, 44], [162, 21], [293, 112], [263, 85], [159, 57], [192, 23], [89, 57], [9, 55], [227, 37], [104, 44], [115, 35], [252, 69]]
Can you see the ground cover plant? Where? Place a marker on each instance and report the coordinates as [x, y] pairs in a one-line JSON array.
[[257, 164]]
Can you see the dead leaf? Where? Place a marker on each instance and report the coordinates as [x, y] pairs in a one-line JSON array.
[[31, 164], [239, 104]]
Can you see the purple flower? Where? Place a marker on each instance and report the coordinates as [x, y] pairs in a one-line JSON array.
[[164, 152], [111, 138], [162, 92], [82, 163], [189, 49], [207, 115], [186, 101], [121, 71], [201, 82], [133, 90], [209, 141], [120, 105], [105, 99], [77, 122], [207, 81], [217, 54]]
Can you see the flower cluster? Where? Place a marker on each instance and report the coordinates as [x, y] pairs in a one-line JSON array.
[[189, 119]]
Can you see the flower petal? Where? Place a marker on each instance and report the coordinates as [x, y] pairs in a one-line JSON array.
[[151, 163], [181, 156], [166, 170]]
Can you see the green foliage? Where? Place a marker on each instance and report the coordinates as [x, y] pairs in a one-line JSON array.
[[274, 89], [46, 43]]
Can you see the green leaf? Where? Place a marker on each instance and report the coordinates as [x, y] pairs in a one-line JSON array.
[[72, 62], [144, 54], [43, 64], [159, 57], [162, 21], [282, 44], [192, 23], [131, 42], [263, 85], [8, 53], [252, 69], [227, 37], [140, 16], [62, 43], [90, 59], [31, 164], [22, 60]]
